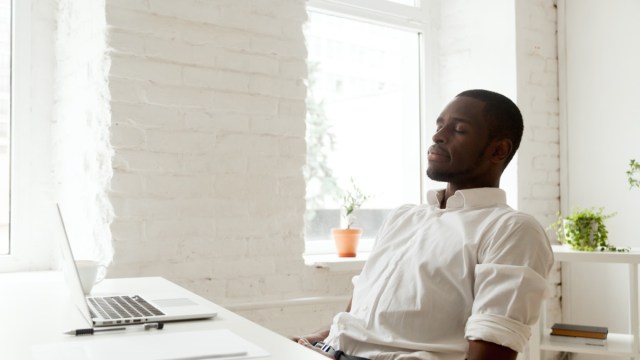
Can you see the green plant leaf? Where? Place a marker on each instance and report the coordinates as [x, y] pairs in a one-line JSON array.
[[352, 199], [585, 230], [633, 174]]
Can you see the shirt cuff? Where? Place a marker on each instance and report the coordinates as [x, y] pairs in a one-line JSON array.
[[499, 330]]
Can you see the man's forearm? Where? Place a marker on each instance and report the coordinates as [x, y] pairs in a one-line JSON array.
[[484, 350]]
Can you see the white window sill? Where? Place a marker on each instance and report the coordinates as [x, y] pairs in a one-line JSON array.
[[335, 263]]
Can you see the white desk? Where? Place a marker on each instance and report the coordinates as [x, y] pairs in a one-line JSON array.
[[19, 331]]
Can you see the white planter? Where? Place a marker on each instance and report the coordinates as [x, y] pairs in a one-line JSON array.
[[591, 242]]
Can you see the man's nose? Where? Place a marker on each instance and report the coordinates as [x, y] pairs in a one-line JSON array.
[[439, 136]]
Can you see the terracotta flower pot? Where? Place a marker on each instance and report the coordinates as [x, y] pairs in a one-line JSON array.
[[346, 241]]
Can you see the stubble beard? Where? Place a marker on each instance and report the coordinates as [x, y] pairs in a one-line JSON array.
[[443, 176], [452, 175]]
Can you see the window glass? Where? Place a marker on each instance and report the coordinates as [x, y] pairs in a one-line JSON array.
[[363, 120], [5, 116]]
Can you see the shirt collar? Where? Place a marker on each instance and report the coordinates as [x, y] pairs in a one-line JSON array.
[[469, 198]]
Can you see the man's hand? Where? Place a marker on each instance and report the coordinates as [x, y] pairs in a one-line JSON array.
[[320, 335], [304, 342], [311, 338], [484, 350]]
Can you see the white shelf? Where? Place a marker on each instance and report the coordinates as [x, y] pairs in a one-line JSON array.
[[565, 253], [621, 345], [616, 345]]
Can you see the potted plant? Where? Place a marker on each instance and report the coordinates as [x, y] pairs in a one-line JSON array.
[[346, 237], [585, 230]]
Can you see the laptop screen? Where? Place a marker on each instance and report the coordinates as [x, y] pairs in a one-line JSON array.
[[71, 276]]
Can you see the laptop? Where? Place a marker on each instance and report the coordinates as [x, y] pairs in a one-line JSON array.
[[126, 309]]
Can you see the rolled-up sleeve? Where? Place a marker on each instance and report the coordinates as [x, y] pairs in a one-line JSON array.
[[510, 285], [507, 304]]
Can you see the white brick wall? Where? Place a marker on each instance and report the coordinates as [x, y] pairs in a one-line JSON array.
[[539, 155], [207, 103], [539, 164], [81, 117]]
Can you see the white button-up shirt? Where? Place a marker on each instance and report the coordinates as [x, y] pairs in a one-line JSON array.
[[439, 277]]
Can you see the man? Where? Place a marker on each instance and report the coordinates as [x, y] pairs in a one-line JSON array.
[[463, 276]]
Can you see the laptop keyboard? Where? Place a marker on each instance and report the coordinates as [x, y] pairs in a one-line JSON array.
[[122, 307]]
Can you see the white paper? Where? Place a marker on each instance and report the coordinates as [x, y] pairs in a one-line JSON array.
[[157, 345]]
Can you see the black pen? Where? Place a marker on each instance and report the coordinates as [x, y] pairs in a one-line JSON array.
[[91, 331]]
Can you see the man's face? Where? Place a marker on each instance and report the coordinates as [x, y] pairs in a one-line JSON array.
[[458, 154]]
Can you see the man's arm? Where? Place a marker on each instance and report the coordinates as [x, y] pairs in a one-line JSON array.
[[510, 284], [484, 350]]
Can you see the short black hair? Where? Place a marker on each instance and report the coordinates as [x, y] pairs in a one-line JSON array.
[[503, 116]]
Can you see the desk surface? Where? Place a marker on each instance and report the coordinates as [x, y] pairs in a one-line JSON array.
[[45, 292]]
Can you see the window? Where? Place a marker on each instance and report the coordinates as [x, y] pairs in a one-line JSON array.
[[5, 123], [27, 189], [363, 117]]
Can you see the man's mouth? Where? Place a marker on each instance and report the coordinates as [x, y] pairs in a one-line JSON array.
[[435, 153]]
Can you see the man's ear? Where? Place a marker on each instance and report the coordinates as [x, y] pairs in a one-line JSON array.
[[501, 150]]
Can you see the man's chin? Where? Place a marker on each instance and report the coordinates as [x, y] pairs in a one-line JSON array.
[[438, 175]]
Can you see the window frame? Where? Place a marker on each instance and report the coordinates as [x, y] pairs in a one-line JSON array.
[[31, 236], [403, 17], [4, 247]]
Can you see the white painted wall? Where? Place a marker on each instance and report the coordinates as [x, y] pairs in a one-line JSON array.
[[603, 125]]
